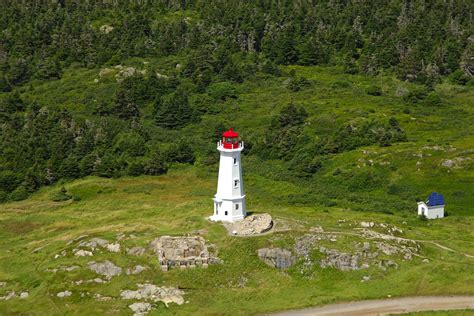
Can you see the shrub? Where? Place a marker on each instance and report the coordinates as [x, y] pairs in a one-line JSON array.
[[19, 194], [432, 99], [222, 91], [3, 196], [374, 90], [458, 77], [9, 180], [416, 95], [296, 84], [366, 180], [341, 84], [60, 195], [135, 169]]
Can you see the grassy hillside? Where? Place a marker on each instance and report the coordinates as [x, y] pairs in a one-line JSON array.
[[143, 208], [369, 183], [371, 178]]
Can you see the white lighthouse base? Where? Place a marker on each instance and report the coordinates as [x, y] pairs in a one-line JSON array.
[[229, 210]]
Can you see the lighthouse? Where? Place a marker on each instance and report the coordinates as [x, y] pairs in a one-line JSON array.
[[229, 201]]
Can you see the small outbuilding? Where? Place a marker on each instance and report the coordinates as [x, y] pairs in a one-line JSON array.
[[433, 207]]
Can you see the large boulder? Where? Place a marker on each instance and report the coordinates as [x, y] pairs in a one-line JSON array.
[[277, 257], [106, 268], [64, 294], [252, 225], [140, 308]]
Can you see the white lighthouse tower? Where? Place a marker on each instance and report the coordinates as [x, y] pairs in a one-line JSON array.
[[229, 201]]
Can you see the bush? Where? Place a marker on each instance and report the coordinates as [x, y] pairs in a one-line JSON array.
[[432, 99], [3, 196], [304, 166], [341, 84], [458, 77], [374, 90], [9, 180], [135, 169], [416, 95], [296, 84], [222, 91], [366, 180], [61, 195], [19, 194]]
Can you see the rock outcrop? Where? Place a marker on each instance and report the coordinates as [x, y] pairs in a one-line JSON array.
[[151, 292], [64, 294], [251, 225], [136, 251], [94, 243], [277, 257], [339, 260], [106, 268], [115, 247], [136, 270], [83, 253], [140, 308]]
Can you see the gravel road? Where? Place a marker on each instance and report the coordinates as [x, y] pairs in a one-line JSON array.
[[388, 306]]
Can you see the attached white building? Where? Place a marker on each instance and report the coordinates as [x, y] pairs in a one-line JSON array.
[[433, 208], [229, 201]]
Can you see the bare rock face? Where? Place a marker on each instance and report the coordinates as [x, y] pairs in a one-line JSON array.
[[64, 294], [182, 252], [136, 251], [150, 292], [339, 260], [251, 225], [140, 308], [277, 257], [93, 243], [455, 163], [9, 296], [136, 270], [106, 268], [83, 253], [106, 29], [113, 247]]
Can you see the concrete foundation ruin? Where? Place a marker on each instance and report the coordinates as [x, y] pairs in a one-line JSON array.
[[182, 252]]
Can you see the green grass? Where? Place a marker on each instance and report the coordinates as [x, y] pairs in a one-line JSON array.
[[178, 203]]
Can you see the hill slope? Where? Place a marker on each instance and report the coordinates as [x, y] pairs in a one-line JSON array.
[[39, 235]]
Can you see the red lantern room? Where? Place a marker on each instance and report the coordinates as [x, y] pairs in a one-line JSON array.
[[230, 139]]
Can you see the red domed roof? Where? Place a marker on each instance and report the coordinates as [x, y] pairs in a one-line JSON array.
[[230, 134]]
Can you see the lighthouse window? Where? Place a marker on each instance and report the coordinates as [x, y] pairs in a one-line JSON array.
[[236, 206], [236, 183], [226, 213], [235, 161]]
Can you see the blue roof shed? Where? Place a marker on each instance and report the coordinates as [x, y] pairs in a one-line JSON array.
[[435, 199]]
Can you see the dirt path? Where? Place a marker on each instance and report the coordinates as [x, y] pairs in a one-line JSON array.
[[388, 306], [446, 248]]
